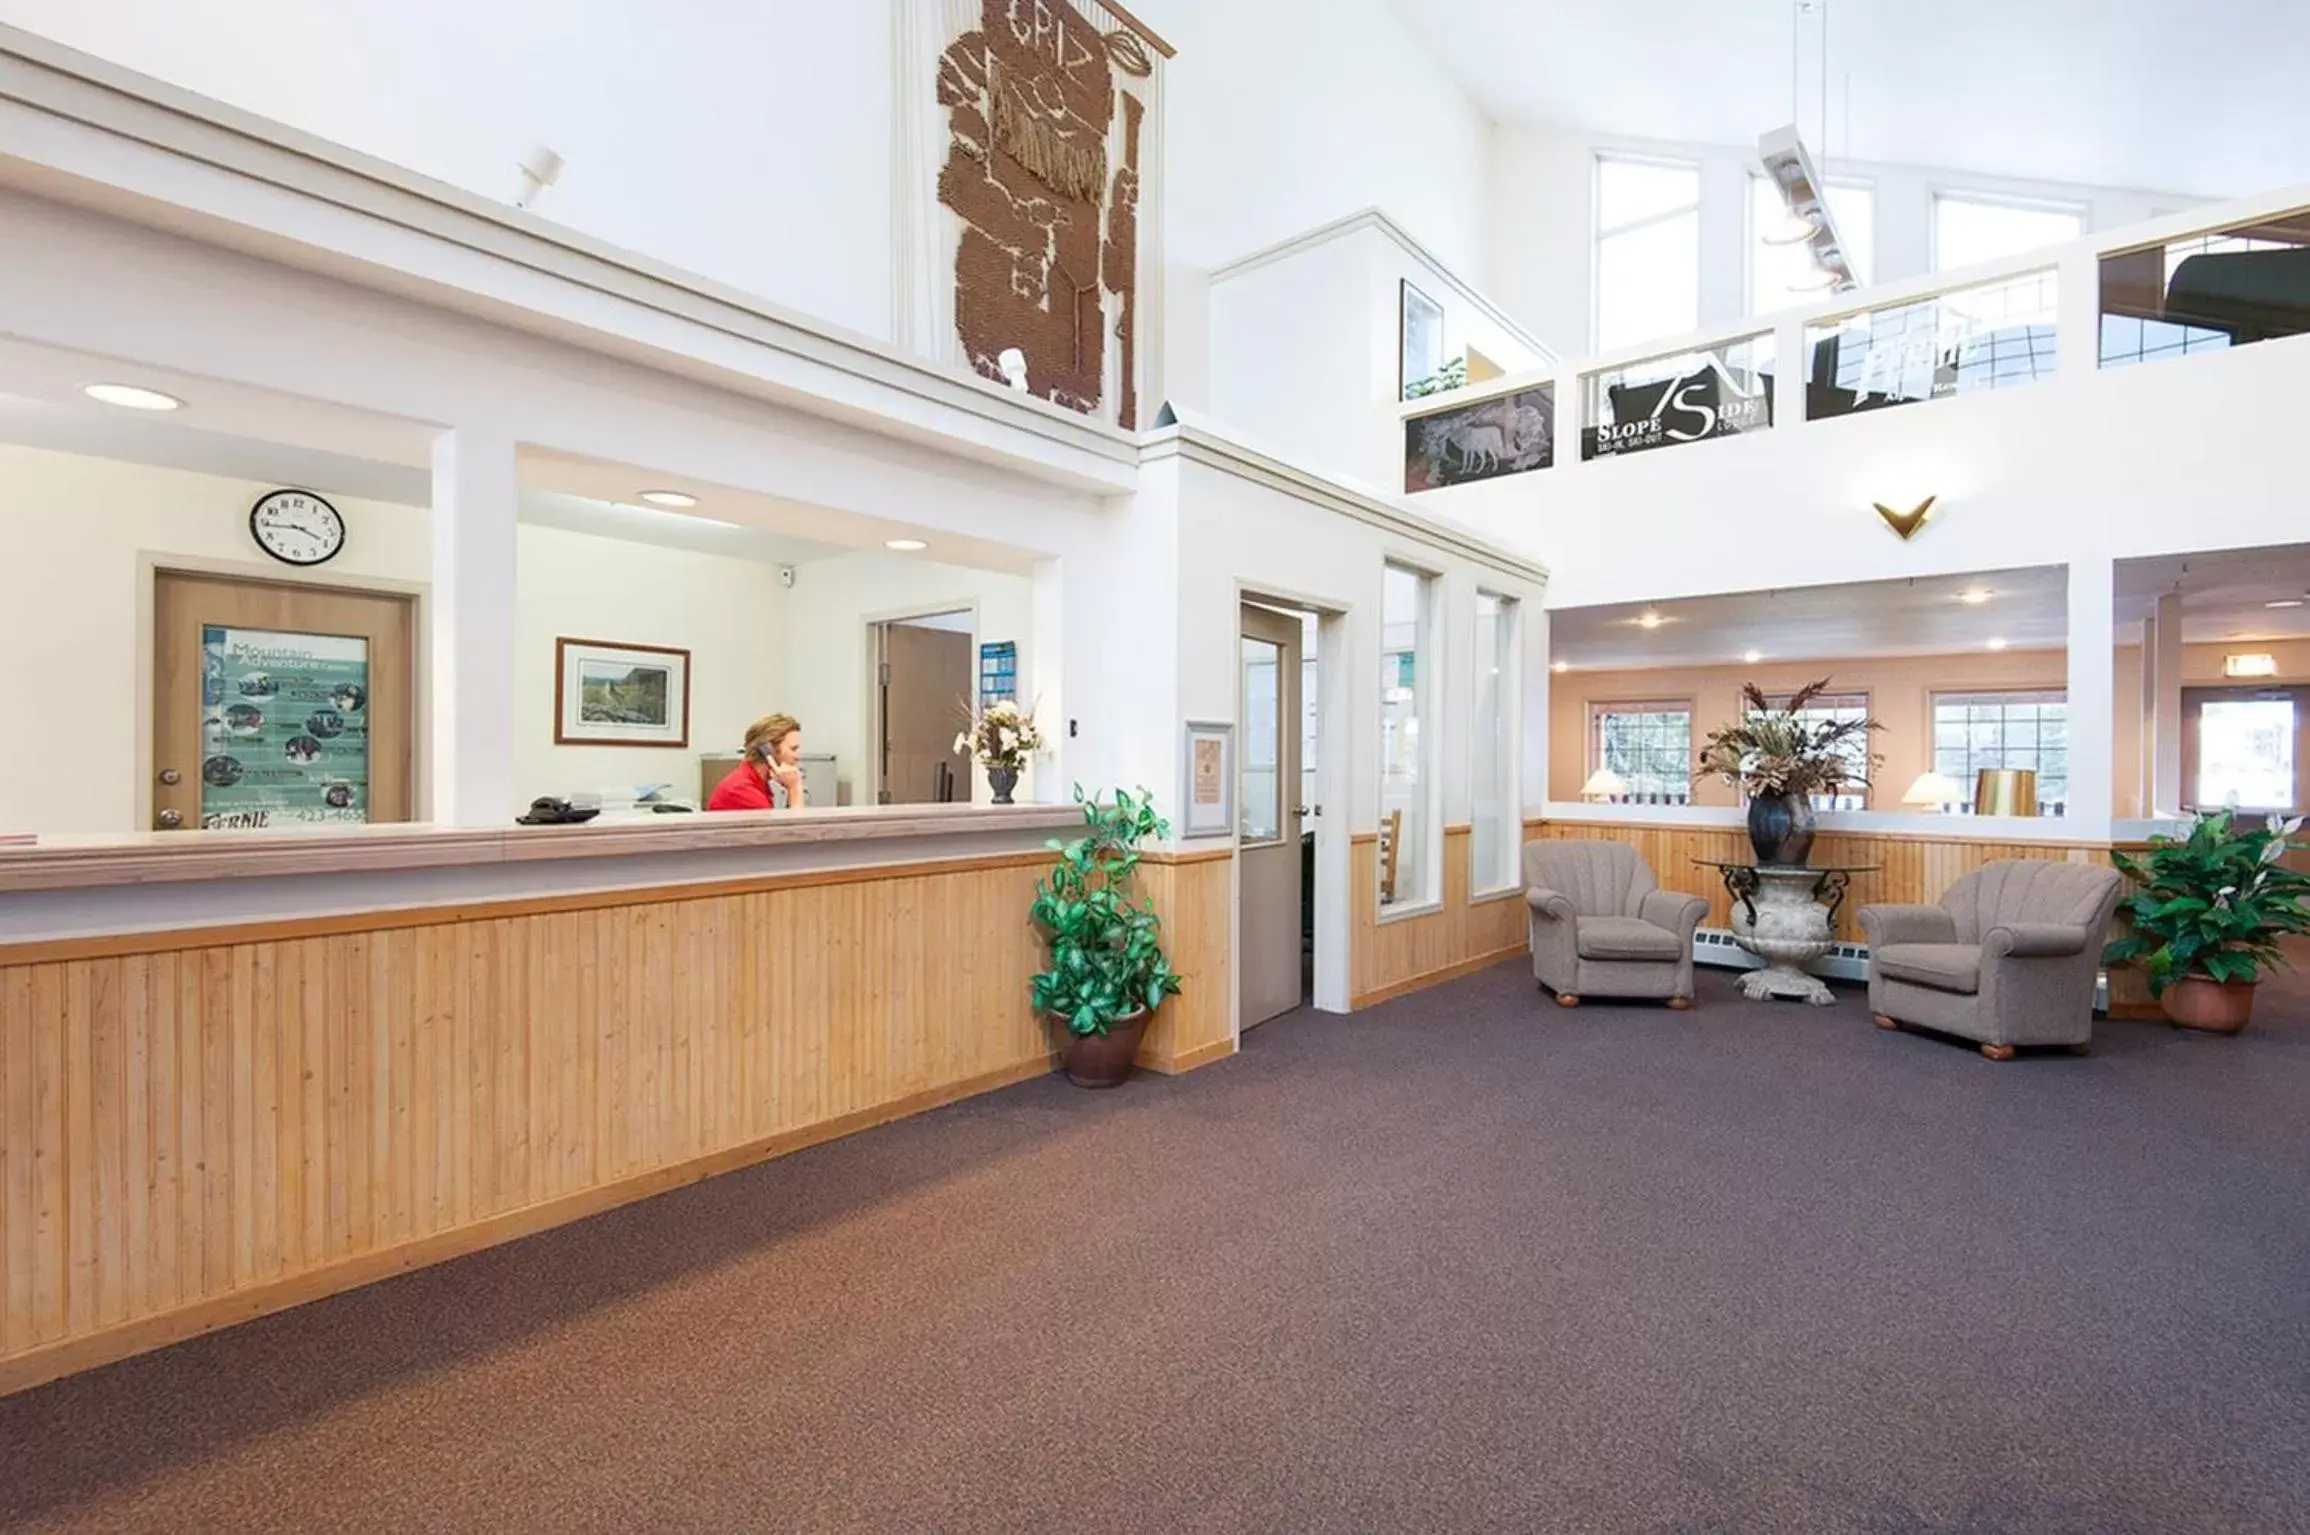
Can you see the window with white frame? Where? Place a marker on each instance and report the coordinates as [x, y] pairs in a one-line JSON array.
[[2245, 746], [1967, 230], [1497, 806], [1829, 708], [2028, 730], [1647, 745], [1407, 864], [1776, 270], [1647, 255]]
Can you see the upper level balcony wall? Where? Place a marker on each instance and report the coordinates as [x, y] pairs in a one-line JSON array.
[[2169, 455]]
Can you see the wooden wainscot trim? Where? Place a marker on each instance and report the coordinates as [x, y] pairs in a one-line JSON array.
[[1427, 978], [1359, 838], [179, 940], [146, 1333], [1459, 828], [1944, 839], [1174, 856], [1186, 1061]]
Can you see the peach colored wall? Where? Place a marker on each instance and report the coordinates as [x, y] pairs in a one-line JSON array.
[[2201, 667], [1900, 690]]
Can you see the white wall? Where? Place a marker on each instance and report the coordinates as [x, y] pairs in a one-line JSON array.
[[744, 140], [74, 530], [828, 659], [1542, 230]]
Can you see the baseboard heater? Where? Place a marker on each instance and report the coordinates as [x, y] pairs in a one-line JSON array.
[[1843, 962]]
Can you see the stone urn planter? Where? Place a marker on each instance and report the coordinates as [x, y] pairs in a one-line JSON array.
[[2217, 1007], [1002, 780]]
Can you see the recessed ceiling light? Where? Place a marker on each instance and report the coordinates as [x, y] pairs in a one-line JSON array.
[[2284, 602], [129, 397], [904, 545], [1650, 621], [1752, 656], [1997, 644], [1974, 596], [668, 498]]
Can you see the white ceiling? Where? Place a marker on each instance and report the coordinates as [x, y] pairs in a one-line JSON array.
[[2203, 98], [1918, 617], [2225, 592]]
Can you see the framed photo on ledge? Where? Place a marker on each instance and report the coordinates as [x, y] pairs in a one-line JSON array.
[[1207, 780], [620, 695]]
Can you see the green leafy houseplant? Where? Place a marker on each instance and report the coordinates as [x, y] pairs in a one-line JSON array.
[[1452, 375], [2214, 903], [1107, 960]]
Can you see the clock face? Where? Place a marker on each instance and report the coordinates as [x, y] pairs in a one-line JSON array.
[[297, 527]]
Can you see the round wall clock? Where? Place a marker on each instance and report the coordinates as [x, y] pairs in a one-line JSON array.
[[297, 527]]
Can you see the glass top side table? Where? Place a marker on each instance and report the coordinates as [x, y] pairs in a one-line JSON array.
[[1785, 914]]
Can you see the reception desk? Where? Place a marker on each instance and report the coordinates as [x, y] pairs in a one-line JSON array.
[[240, 1071]]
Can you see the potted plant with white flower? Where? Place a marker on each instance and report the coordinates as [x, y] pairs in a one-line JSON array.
[[1000, 739]]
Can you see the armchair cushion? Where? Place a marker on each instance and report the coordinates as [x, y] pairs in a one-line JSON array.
[[2034, 940], [1627, 938], [1888, 925], [1942, 966], [1672, 910]]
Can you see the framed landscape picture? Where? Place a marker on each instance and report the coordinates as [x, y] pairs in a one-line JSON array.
[[620, 695]]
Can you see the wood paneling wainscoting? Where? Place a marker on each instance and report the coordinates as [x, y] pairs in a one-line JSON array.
[[1463, 934], [200, 1127], [1193, 891], [1912, 868]]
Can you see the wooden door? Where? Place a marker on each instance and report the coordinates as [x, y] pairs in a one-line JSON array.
[[277, 704], [926, 684], [1271, 944]]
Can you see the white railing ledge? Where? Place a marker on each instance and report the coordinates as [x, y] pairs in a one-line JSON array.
[[2052, 830]]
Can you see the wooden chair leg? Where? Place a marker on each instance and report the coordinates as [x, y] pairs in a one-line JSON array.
[[1884, 1022], [1566, 999], [1998, 1052], [2082, 1047], [1679, 1004]]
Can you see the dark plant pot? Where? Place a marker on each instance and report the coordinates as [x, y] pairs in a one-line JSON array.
[[1781, 828], [1002, 780], [2217, 1007], [1101, 1060]]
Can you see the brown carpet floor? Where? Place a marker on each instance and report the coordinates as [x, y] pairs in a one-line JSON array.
[[1462, 1262]]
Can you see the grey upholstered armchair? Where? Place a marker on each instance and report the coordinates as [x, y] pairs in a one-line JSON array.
[[2007, 958], [1601, 925]]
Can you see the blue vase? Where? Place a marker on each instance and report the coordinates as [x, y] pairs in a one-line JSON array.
[[1781, 828]]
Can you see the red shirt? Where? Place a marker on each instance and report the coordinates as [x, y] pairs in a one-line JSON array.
[[741, 789]]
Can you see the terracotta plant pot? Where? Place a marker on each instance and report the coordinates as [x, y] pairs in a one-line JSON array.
[[1101, 1060], [2218, 1007]]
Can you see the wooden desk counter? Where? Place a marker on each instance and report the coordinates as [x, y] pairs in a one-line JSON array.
[[240, 1072]]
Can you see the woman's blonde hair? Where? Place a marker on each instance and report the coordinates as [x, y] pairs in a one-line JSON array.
[[768, 731]]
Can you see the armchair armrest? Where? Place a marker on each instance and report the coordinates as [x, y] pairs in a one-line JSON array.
[[1552, 904], [1673, 910], [1885, 925], [2033, 940]]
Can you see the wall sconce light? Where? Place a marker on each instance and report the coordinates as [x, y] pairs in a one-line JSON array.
[[1604, 784], [1906, 523], [2250, 665]]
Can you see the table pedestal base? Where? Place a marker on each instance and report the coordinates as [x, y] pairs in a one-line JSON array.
[[1782, 981], [1784, 916]]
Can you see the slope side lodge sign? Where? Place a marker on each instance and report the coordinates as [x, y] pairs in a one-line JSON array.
[[1667, 402]]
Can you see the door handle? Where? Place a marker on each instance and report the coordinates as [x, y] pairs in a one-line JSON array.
[[171, 777], [170, 820]]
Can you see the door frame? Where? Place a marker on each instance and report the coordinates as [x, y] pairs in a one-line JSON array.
[[1334, 781], [151, 565], [872, 624]]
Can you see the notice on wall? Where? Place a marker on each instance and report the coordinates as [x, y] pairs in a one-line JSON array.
[[998, 672], [284, 728]]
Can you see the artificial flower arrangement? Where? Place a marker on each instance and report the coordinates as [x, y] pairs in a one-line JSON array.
[[999, 736]]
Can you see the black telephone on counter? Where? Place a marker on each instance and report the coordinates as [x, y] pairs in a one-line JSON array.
[[547, 810]]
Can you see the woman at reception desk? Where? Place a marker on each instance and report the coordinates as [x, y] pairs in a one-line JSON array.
[[769, 773]]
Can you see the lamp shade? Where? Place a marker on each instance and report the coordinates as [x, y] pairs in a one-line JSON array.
[[1604, 784], [1933, 790], [2005, 791]]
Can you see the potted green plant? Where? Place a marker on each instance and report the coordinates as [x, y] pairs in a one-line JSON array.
[[2208, 914], [1780, 760], [1108, 971]]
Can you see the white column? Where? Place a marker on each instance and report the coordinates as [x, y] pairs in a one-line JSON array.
[[470, 628], [2092, 694], [2162, 663], [1042, 684], [1538, 688]]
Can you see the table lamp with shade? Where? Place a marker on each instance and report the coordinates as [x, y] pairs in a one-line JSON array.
[[1604, 784], [1933, 791]]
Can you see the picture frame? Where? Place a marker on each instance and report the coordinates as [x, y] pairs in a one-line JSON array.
[[608, 693], [1419, 338], [1207, 779]]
